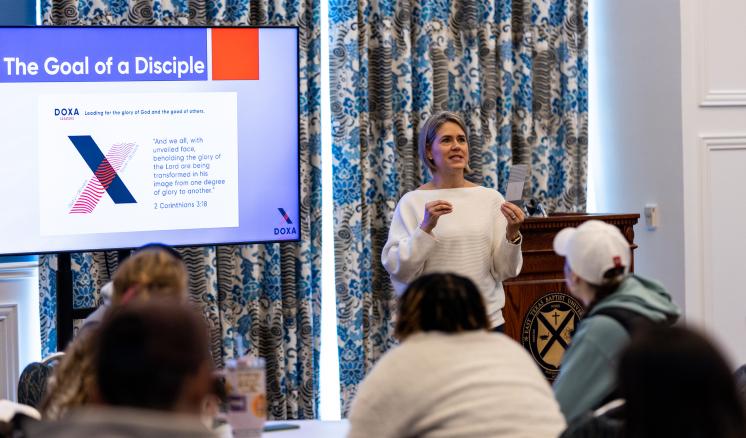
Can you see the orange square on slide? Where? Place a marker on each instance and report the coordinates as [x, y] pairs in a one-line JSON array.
[[235, 54]]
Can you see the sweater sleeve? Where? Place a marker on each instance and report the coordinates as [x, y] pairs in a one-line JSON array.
[[507, 259], [407, 248]]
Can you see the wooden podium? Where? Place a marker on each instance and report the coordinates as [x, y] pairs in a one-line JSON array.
[[539, 313]]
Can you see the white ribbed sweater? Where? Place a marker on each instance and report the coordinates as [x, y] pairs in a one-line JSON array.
[[470, 241], [465, 385]]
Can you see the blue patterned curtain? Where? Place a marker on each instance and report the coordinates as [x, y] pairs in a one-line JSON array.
[[515, 69], [267, 295]]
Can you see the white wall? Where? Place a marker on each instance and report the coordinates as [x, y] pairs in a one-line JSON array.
[[714, 150], [668, 123], [635, 126], [20, 340]]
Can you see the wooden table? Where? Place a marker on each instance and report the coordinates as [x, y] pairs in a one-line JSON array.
[[306, 429]]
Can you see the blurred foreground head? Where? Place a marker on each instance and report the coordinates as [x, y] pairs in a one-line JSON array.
[[677, 383], [153, 355]]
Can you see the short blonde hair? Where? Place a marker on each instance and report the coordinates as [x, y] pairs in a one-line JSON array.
[[430, 130], [152, 272]]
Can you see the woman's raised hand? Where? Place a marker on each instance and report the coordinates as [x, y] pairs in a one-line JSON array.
[[515, 218], [433, 211]]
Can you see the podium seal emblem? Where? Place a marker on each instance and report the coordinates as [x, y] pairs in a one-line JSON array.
[[547, 330]]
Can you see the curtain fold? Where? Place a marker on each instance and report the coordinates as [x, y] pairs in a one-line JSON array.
[[266, 297], [517, 72]]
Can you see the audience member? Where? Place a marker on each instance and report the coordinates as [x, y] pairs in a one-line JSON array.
[[451, 376], [597, 262], [154, 356], [97, 316], [677, 384], [107, 289], [150, 272], [153, 373]]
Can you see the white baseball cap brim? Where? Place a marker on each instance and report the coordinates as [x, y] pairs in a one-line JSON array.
[[592, 249]]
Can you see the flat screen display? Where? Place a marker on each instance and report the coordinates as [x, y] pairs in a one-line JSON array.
[[113, 137]]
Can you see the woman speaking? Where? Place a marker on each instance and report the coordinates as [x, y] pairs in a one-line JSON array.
[[453, 225]]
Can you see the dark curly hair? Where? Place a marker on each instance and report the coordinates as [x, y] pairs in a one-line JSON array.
[[446, 303]]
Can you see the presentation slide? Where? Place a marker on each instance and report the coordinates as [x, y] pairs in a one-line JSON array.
[[168, 165], [117, 137]]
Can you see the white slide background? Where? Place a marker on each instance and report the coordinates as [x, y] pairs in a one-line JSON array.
[[198, 132]]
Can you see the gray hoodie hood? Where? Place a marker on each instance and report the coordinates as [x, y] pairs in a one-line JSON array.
[[643, 296]]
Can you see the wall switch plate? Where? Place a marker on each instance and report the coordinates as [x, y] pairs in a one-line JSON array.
[[652, 219]]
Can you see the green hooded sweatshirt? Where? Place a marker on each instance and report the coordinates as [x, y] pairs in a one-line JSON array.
[[588, 370]]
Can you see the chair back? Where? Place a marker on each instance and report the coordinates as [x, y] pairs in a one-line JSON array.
[[605, 422], [32, 384]]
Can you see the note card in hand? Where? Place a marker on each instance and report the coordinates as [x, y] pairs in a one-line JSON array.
[[516, 181]]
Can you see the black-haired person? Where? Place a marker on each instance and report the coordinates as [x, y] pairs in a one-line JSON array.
[[453, 225], [597, 261], [676, 383], [153, 373], [451, 376]]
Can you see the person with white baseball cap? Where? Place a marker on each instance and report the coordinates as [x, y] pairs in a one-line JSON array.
[[597, 262]]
